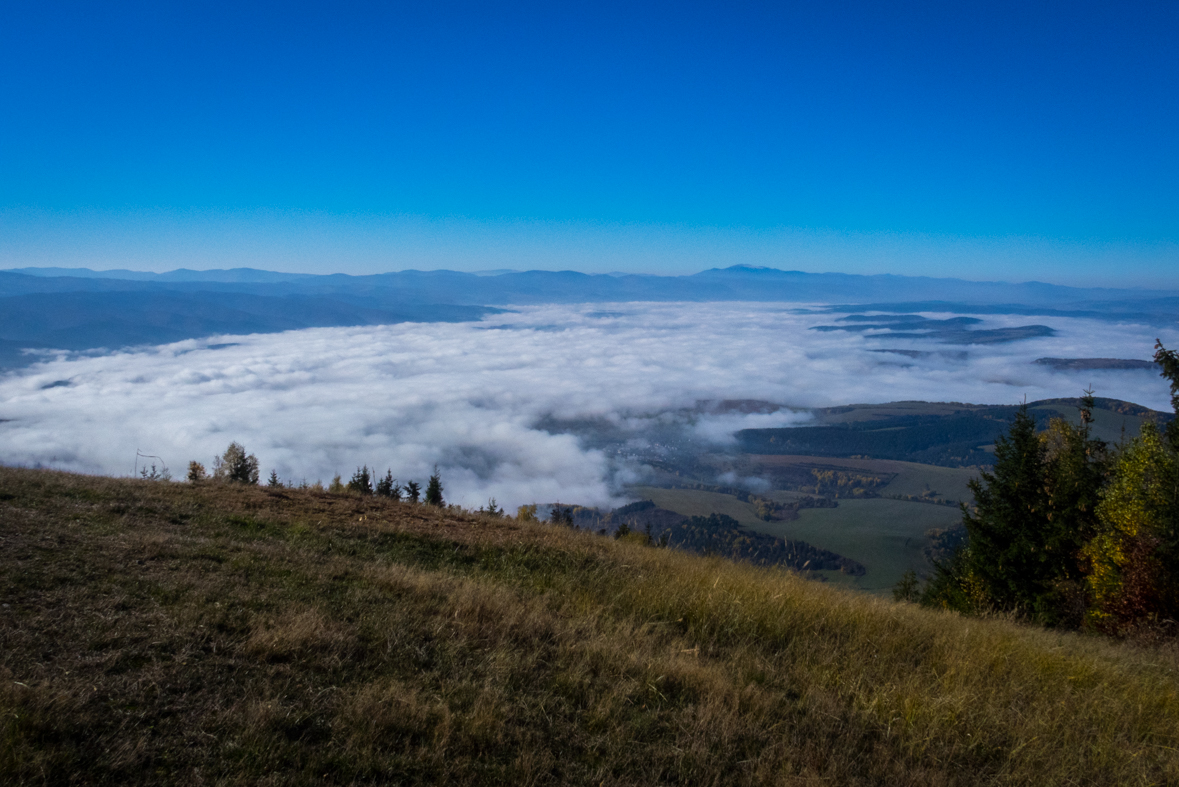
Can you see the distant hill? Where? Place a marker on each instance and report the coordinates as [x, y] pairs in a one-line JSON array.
[[935, 433], [79, 309], [739, 282]]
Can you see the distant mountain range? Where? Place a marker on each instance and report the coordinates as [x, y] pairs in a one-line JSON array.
[[740, 283], [80, 309]]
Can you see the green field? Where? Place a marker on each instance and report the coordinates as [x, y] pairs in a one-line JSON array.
[[694, 502], [911, 478], [887, 536], [858, 413], [916, 479]]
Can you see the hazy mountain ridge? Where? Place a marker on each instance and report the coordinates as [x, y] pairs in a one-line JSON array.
[[79, 309], [738, 282]]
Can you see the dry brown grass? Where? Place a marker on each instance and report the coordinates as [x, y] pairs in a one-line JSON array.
[[169, 633]]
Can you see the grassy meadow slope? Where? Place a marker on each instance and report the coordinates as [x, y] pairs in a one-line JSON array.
[[171, 633]]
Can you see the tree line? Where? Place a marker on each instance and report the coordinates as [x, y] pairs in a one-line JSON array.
[[238, 467], [1069, 531]]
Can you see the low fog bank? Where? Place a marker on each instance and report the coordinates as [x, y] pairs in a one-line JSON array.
[[546, 403]]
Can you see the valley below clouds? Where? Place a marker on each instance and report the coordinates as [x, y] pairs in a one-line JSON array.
[[538, 404]]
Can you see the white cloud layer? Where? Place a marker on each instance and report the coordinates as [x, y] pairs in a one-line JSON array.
[[469, 396]]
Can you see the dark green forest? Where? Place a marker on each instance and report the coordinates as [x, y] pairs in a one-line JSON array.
[[1070, 531]]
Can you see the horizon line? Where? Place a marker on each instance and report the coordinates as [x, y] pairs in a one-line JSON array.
[[495, 273]]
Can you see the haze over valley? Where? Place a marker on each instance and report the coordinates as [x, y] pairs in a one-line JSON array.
[[538, 402]]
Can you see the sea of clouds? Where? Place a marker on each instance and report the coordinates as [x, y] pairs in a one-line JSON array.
[[479, 400]]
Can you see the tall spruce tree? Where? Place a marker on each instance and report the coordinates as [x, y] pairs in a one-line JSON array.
[[1009, 528], [388, 486], [361, 481], [434, 489]]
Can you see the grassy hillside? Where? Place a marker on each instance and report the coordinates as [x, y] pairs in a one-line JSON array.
[[166, 633]]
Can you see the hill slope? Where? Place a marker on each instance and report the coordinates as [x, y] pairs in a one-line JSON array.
[[171, 633]]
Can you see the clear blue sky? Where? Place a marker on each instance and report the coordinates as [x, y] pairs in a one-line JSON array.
[[982, 140]]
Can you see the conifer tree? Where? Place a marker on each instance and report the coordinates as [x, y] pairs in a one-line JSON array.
[[434, 489], [273, 481], [1032, 517], [413, 491], [388, 486], [1008, 528], [361, 481], [1076, 468]]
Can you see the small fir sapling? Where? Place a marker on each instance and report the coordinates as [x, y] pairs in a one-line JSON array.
[[155, 474]]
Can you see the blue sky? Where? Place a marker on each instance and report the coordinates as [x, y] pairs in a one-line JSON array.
[[983, 140]]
